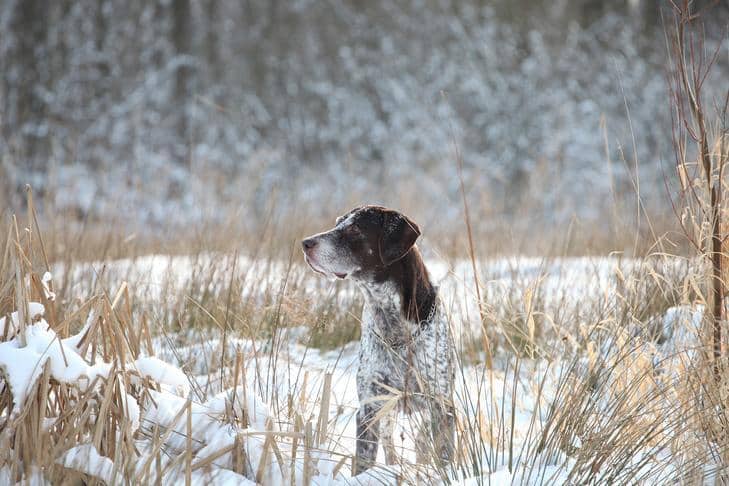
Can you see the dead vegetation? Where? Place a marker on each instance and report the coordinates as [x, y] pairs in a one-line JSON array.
[[611, 403], [614, 386]]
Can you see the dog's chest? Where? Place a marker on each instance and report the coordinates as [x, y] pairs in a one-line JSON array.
[[393, 350], [381, 317]]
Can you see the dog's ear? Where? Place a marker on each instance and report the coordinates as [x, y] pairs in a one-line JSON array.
[[398, 235]]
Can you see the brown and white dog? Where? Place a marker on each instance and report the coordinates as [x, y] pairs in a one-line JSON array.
[[406, 350]]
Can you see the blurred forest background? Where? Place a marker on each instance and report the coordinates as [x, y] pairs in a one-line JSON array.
[[159, 113]]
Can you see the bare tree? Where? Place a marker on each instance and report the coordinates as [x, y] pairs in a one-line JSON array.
[[700, 146]]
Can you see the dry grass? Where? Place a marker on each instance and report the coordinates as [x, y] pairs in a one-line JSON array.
[[624, 408], [117, 330], [602, 401], [596, 388], [499, 228]]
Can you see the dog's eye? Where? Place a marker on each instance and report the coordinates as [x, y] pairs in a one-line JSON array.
[[352, 230]]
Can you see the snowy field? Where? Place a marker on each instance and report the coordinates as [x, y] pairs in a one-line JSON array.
[[163, 328], [216, 406]]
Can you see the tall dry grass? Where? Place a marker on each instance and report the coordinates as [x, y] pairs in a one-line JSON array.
[[117, 327], [612, 388], [613, 401]]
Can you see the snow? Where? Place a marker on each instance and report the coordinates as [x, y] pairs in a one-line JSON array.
[[552, 475], [163, 374], [256, 410], [239, 400], [211, 433], [21, 369], [35, 309], [33, 478], [86, 459], [22, 365], [75, 340], [66, 365], [131, 411], [45, 282]]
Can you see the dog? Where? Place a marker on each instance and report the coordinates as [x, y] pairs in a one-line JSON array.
[[406, 349]]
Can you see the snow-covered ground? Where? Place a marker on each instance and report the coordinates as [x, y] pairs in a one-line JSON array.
[[568, 290], [281, 380]]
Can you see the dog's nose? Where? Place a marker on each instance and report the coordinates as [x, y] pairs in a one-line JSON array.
[[308, 243]]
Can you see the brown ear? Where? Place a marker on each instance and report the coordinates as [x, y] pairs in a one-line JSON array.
[[398, 235]]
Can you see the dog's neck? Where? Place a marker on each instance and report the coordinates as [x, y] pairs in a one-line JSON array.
[[405, 283]]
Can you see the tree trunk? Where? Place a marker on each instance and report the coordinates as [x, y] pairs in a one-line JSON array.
[[211, 41], [29, 110], [182, 41]]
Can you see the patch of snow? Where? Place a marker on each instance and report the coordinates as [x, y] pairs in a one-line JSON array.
[[21, 368], [22, 365], [45, 282], [87, 460], [131, 411], [35, 310], [164, 374]]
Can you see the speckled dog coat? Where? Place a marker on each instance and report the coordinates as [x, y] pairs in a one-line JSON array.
[[406, 351]]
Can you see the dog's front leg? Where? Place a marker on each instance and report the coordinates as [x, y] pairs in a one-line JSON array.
[[387, 428], [368, 436], [443, 428]]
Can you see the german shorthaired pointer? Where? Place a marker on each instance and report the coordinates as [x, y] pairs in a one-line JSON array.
[[406, 352]]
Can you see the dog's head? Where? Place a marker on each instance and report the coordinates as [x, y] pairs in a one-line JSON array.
[[364, 239]]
